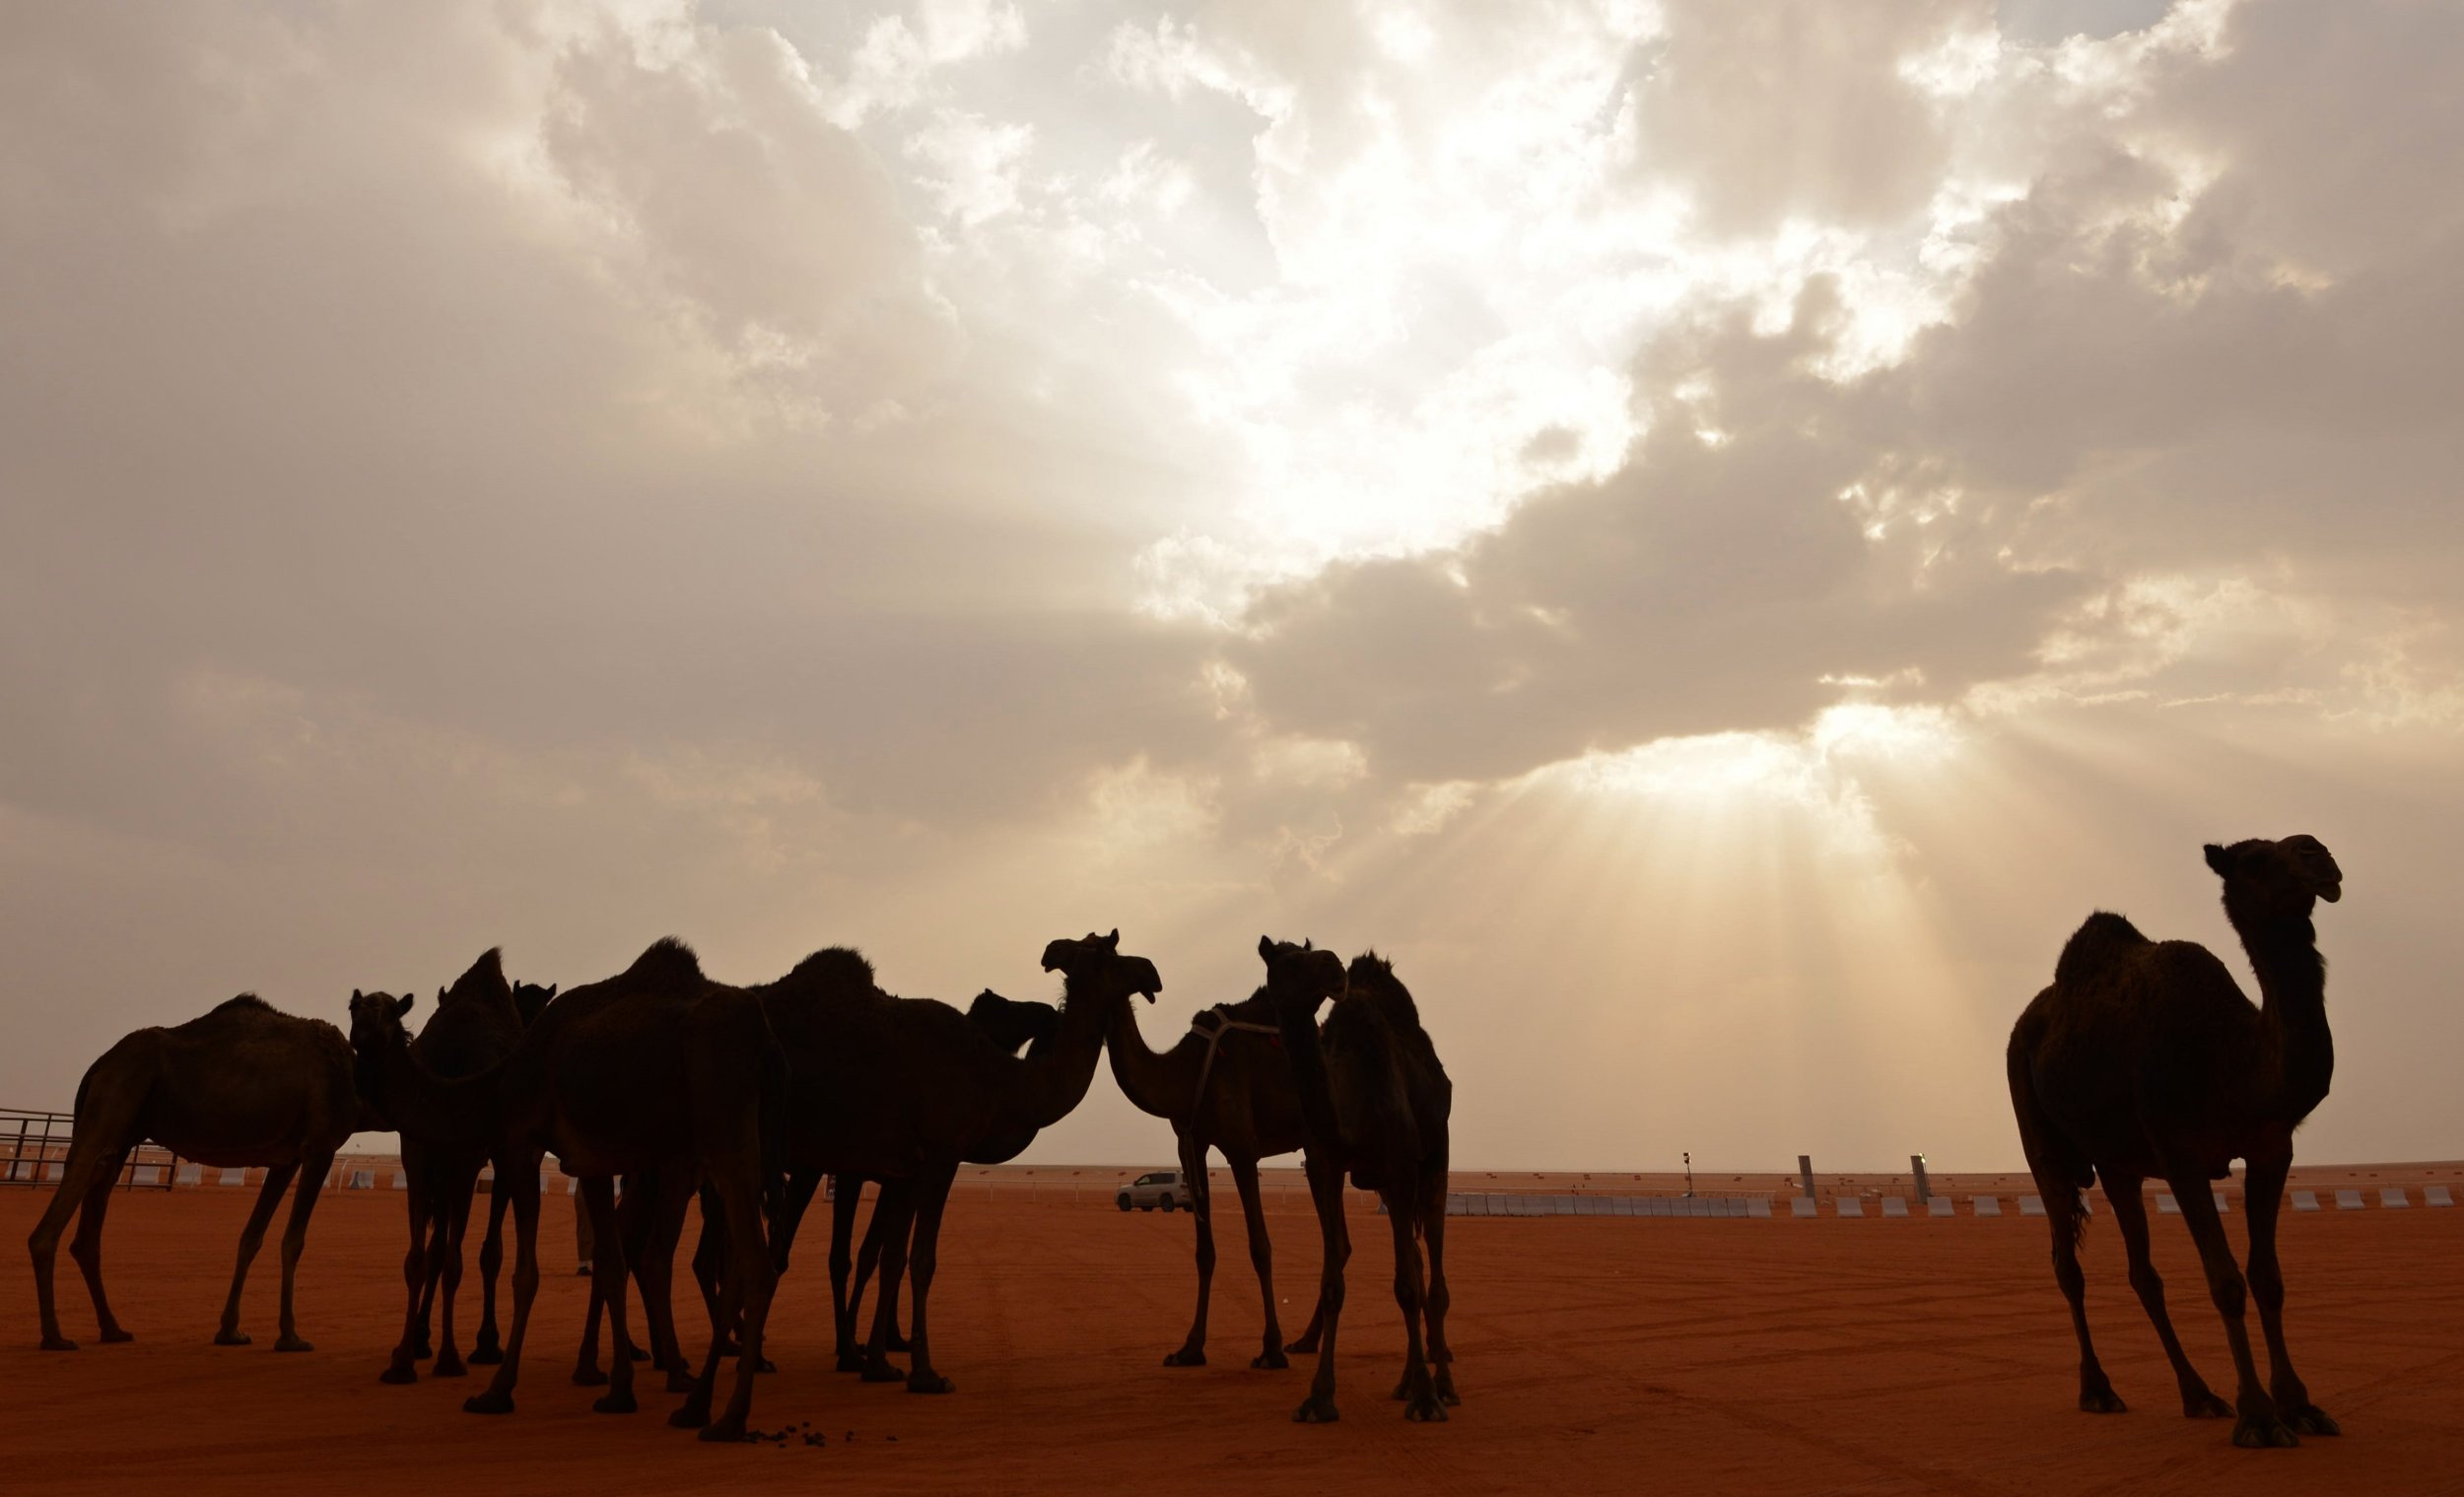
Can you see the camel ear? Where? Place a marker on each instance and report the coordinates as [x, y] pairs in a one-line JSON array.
[[552, 986], [1111, 942], [354, 994], [402, 1005], [1266, 947], [2219, 860]]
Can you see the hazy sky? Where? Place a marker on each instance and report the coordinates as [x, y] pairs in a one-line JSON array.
[[1714, 534]]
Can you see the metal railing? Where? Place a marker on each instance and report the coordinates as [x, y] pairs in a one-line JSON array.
[[34, 1151]]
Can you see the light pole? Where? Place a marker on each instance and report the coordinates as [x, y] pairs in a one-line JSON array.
[[1690, 1174]]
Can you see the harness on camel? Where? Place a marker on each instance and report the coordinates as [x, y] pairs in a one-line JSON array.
[[1211, 1025]]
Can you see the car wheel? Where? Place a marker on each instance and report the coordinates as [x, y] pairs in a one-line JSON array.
[[1167, 1202], [1125, 1202]]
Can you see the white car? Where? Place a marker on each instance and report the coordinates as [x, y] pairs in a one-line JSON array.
[[1162, 1187]]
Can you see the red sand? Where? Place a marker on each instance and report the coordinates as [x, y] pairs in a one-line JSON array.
[[1693, 1356]]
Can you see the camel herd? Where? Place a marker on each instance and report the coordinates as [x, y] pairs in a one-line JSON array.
[[2143, 1059], [747, 1098]]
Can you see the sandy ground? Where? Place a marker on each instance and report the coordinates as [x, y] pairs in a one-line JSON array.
[[1593, 1354]]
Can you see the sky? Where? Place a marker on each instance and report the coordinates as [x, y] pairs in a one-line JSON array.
[[1713, 535]]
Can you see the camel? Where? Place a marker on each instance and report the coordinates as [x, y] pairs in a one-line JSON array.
[[477, 1023], [1374, 1101], [240, 1085], [657, 1071], [2143, 1059], [905, 1090], [1224, 1086], [1009, 1024]]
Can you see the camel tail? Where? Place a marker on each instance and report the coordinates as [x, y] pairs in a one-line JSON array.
[[775, 1081], [2062, 1173]]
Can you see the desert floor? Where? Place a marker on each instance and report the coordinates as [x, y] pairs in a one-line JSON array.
[[1593, 1354]]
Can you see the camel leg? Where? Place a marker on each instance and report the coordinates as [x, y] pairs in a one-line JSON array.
[[933, 1194], [1416, 1391], [499, 1398], [484, 1348], [867, 1258], [431, 1274], [2263, 1188], [745, 1298], [708, 1255], [404, 1366], [277, 1180], [90, 1173], [1438, 1300], [2257, 1424], [294, 1242], [1193, 1352], [607, 1287], [1261, 1258], [1326, 1191], [2129, 1212], [2062, 1217], [587, 1370], [802, 1187], [655, 1220], [896, 1205], [847, 1195], [453, 1230]]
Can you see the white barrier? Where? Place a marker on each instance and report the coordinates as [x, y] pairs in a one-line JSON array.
[[1894, 1205], [1985, 1205], [1850, 1205], [401, 1180], [145, 1174], [2347, 1200], [2032, 1205], [2436, 1196], [189, 1175], [2166, 1204], [1803, 1205], [1940, 1206], [2393, 1197], [238, 1177]]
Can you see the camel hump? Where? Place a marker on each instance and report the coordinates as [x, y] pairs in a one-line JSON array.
[[245, 1001], [834, 966], [2101, 941], [483, 979], [667, 960]]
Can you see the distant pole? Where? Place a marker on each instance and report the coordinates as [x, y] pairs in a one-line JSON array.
[[1690, 1174], [1805, 1174], [1916, 1166]]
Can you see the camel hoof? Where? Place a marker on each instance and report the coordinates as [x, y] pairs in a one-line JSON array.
[[489, 1403], [693, 1414], [589, 1377], [230, 1338], [1270, 1360], [920, 1381], [486, 1354], [398, 1374], [849, 1361], [635, 1354], [882, 1372], [2101, 1401], [113, 1335], [293, 1344], [679, 1381], [448, 1365], [1446, 1394], [2205, 1405], [1425, 1410], [896, 1342], [2310, 1419], [1307, 1346], [1316, 1408], [725, 1432], [58, 1343], [764, 1364], [615, 1404], [2258, 1433], [1186, 1357]]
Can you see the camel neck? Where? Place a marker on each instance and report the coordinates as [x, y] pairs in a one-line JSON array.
[[1154, 1082], [419, 1104], [1054, 1081], [2293, 991]]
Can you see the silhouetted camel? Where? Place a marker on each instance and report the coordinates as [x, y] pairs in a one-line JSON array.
[[477, 1023], [2144, 1059], [1374, 1100], [240, 1085], [1226, 1085], [655, 1072]]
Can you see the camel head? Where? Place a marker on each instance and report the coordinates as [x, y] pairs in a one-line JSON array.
[[1099, 958], [1301, 976], [377, 1020], [2279, 879], [531, 1000], [1010, 1023]]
